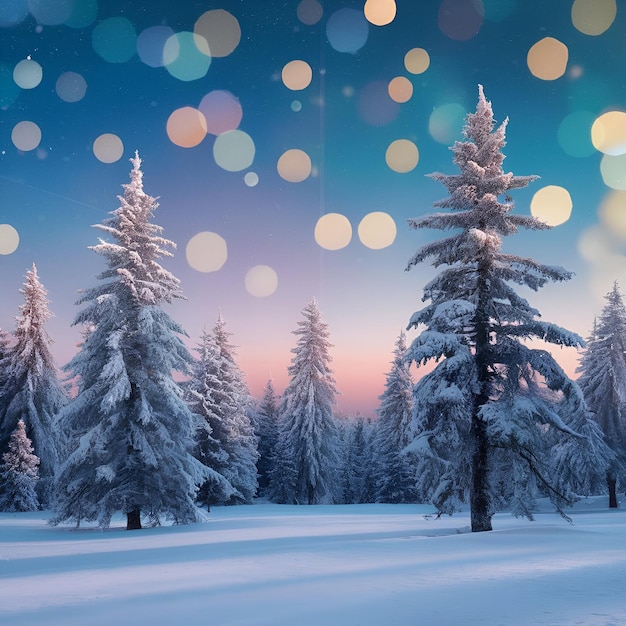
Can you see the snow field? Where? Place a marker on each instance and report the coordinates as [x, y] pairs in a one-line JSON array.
[[274, 565]]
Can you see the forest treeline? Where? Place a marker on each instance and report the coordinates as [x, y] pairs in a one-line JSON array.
[[496, 423]]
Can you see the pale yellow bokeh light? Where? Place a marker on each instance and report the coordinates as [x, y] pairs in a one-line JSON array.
[[613, 170], [9, 239], [27, 74], [416, 61], [612, 213], [294, 165], [552, 205], [297, 75], [206, 252], [402, 156], [333, 231], [596, 244], [400, 89], [26, 136], [608, 133], [221, 30], [593, 17], [186, 127], [380, 12], [108, 148], [547, 59], [261, 281], [377, 230]]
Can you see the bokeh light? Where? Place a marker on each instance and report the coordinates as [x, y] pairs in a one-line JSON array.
[[552, 205], [222, 111], [221, 31], [26, 136], [547, 59], [574, 134], [186, 127], [400, 89], [297, 75], [375, 105], [206, 252], [294, 165], [71, 87], [9, 239], [613, 170], [347, 30], [12, 12], [402, 156], [460, 19], [151, 43], [597, 244], [309, 12], [261, 281], [186, 56], [377, 230], [333, 231], [251, 179], [84, 13], [115, 40], [608, 133], [296, 106], [380, 12], [612, 213], [50, 12], [108, 148], [27, 74], [416, 61], [234, 150], [593, 17], [446, 123]]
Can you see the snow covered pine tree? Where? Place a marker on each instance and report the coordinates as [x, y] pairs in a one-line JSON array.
[[31, 390], [482, 416], [307, 463], [129, 432], [19, 474], [266, 430], [603, 381]]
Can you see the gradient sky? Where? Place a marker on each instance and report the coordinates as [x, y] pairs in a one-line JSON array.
[[100, 80]]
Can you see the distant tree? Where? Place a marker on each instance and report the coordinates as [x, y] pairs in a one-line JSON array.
[[129, 432], [266, 429], [307, 462], [355, 447], [31, 391], [231, 447], [484, 407], [394, 471], [603, 381], [19, 474]]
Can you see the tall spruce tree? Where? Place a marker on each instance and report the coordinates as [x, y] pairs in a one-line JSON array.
[[129, 432], [603, 381], [307, 462], [395, 478], [19, 473], [266, 430], [483, 407], [228, 444], [31, 391]]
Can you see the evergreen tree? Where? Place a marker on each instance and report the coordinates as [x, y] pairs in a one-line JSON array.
[[603, 381], [226, 443], [30, 391], [307, 456], [128, 431], [266, 430], [484, 406], [357, 480], [19, 474], [394, 473]]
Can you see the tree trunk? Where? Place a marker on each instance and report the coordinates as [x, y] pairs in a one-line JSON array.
[[480, 504], [133, 520], [612, 484]]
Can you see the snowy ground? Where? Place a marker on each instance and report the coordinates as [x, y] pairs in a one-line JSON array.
[[345, 565]]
